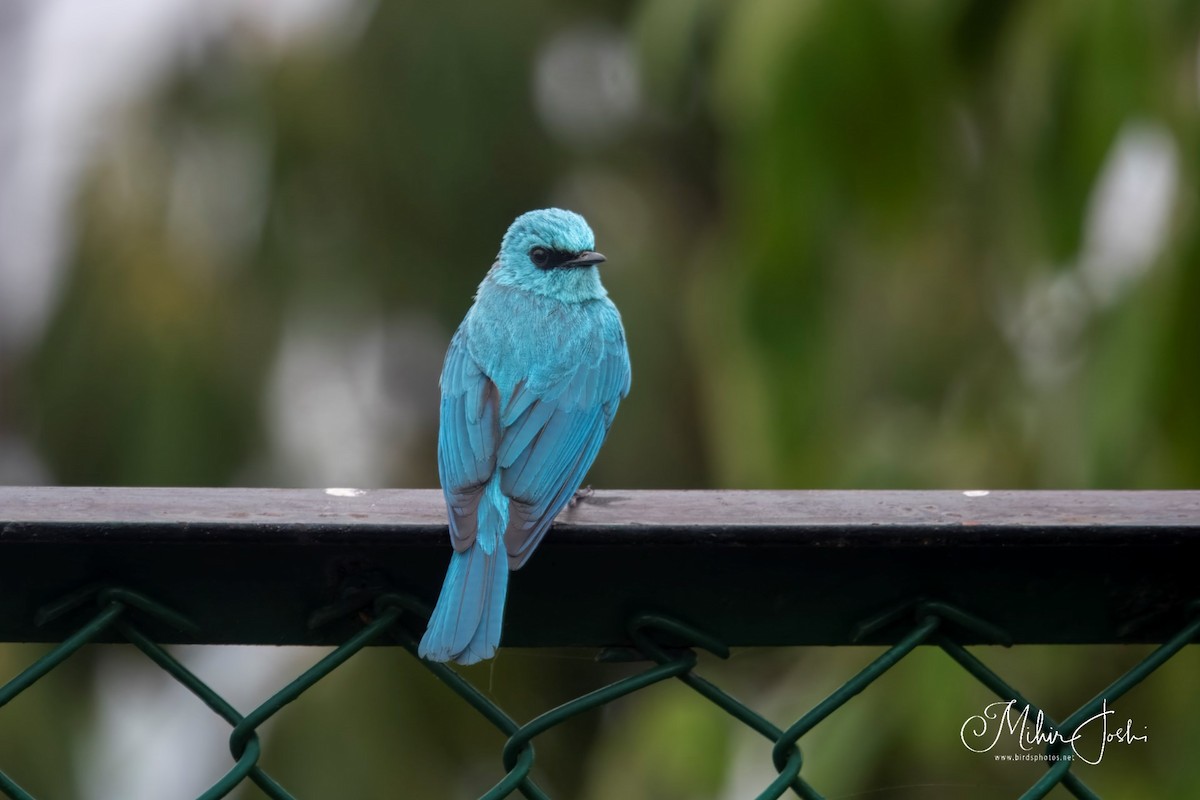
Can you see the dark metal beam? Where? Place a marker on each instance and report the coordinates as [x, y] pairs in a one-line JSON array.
[[753, 568]]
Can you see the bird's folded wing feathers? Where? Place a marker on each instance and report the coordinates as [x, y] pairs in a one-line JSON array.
[[544, 441], [547, 449], [467, 439]]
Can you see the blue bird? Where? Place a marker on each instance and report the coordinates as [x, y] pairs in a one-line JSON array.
[[530, 386]]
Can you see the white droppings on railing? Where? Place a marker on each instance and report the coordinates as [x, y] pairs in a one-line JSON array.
[[977, 493], [345, 492]]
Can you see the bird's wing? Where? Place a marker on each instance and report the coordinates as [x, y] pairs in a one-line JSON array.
[[550, 440], [468, 437]]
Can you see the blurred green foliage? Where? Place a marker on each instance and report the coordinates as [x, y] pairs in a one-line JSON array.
[[861, 244]]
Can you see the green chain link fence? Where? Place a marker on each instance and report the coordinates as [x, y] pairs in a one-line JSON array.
[[120, 613]]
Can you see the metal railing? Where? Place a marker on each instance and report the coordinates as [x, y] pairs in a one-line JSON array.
[[352, 569]]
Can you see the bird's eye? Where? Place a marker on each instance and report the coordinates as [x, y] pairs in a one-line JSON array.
[[539, 256]]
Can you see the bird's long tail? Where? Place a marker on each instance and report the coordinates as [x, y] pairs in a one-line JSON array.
[[465, 626]]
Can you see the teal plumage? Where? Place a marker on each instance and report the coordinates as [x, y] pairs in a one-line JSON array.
[[531, 383]]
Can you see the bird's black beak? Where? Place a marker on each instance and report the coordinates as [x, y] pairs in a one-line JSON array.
[[588, 258]]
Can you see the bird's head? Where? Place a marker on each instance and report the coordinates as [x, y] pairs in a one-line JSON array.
[[549, 251]]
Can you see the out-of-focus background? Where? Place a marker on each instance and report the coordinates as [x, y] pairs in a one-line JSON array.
[[856, 245]]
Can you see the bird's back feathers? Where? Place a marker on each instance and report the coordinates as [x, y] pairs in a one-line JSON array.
[[537, 413]]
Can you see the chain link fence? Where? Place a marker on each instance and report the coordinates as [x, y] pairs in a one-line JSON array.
[[667, 643]]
